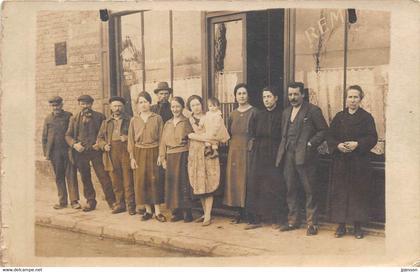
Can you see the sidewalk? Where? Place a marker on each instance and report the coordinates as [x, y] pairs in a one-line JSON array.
[[220, 239]]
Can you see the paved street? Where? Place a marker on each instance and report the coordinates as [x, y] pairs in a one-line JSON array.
[[219, 239], [49, 243]]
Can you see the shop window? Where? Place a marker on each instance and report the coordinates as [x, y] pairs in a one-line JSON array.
[[131, 59], [156, 48], [186, 53], [368, 61], [319, 51], [147, 53], [228, 59], [320, 47]]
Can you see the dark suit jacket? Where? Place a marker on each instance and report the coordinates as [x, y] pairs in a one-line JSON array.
[[311, 127], [73, 130], [164, 110], [104, 137], [52, 127]]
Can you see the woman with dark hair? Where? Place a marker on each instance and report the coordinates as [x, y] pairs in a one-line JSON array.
[[266, 194], [203, 172], [351, 136], [240, 145], [173, 154], [144, 135]]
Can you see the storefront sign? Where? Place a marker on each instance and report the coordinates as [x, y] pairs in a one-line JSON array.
[[326, 24]]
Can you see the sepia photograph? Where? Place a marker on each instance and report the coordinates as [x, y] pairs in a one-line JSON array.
[[206, 135]]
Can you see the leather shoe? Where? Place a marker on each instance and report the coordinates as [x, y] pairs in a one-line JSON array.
[[188, 219], [340, 231], [358, 234], [88, 208], [160, 217], [76, 205], [214, 155], [146, 216], [312, 230], [253, 226], [288, 227], [59, 206], [208, 151], [176, 218], [118, 210], [131, 211], [236, 220]]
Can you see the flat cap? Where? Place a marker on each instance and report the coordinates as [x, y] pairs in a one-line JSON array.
[[85, 98], [55, 100], [117, 98]]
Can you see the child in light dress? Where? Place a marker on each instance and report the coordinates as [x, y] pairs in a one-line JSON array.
[[215, 129]]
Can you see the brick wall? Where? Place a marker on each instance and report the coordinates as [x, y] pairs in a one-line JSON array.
[[81, 30]]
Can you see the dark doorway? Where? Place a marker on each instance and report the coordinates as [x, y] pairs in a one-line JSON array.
[[243, 47]]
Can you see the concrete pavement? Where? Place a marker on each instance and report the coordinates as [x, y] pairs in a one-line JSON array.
[[220, 239]]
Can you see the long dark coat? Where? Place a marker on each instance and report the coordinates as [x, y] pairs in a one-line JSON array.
[[54, 127], [350, 173], [266, 195]]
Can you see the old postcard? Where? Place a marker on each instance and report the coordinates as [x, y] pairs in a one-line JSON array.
[[222, 133]]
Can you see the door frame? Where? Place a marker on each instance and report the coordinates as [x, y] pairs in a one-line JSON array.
[[208, 20]]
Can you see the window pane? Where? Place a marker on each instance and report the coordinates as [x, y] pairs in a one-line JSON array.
[[131, 56], [368, 60], [156, 48], [187, 53], [319, 62], [228, 59]]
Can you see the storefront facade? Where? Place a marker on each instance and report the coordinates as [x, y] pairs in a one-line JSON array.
[[208, 53]]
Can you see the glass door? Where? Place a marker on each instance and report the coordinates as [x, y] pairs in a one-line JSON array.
[[227, 58]]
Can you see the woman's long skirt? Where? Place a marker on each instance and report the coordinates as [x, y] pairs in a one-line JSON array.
[[148, 188], [177, 185]]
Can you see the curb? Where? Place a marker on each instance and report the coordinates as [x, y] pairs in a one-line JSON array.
[[191, 245]]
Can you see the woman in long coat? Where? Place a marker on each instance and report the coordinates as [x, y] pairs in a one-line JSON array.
[[240, 144], [351, 136], [144, 135], [204, 172], [266, 195], [173, 155]]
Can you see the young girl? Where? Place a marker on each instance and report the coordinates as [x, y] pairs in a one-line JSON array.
[[215, 129], [144, 135]]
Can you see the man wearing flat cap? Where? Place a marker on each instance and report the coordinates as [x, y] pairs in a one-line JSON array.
[[163, 107], [81, 137], [55, 147], [112, 139]]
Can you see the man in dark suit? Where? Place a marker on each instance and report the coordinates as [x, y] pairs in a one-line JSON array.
[[55, 148], [112, 139], [303, 130], [81, 137]]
